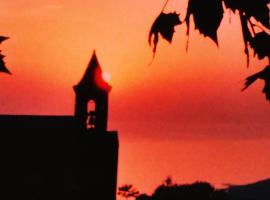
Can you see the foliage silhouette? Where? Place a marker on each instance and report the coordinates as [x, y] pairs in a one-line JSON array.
[[261, 45], [264, 75], [128, 191], [143, 197], [206, 18], [164, 24], [251, 8], [195, 191], [208, 14], [3, 67]]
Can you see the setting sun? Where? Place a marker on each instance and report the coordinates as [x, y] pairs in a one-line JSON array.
[[106, 76]]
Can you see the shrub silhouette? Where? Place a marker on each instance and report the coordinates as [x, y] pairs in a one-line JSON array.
[[127, 191]]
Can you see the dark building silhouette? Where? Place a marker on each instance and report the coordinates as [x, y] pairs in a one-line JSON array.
[[63, 157]]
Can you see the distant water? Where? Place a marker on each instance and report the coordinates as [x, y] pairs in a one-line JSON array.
[[147, 162]]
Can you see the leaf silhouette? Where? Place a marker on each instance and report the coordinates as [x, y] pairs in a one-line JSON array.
[[247, 36], [164, 24], [256, 8], [3, 67], [3, 38], [207, 16], [264, 75], [261, 45]]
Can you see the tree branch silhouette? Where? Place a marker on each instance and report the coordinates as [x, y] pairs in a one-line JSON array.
[[208, 14]]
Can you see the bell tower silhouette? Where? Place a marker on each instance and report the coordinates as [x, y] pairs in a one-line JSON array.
[[91, 107], [97, 153]]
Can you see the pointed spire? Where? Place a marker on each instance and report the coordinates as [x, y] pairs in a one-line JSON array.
[[92, 77], [92, 69]]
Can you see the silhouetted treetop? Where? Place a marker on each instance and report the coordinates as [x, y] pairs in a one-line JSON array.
[[195, 191], [127, 191]]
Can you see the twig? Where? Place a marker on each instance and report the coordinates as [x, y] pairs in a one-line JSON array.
[[165, 5], [252, 26]]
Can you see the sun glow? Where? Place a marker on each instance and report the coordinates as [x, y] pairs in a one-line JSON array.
[[106, 76]]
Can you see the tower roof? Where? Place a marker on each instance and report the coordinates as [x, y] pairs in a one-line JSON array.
[[92, 78]]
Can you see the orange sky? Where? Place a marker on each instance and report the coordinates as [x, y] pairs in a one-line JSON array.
[[183, 112]]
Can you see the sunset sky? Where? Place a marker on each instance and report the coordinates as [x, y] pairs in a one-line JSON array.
[[183, 116]]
